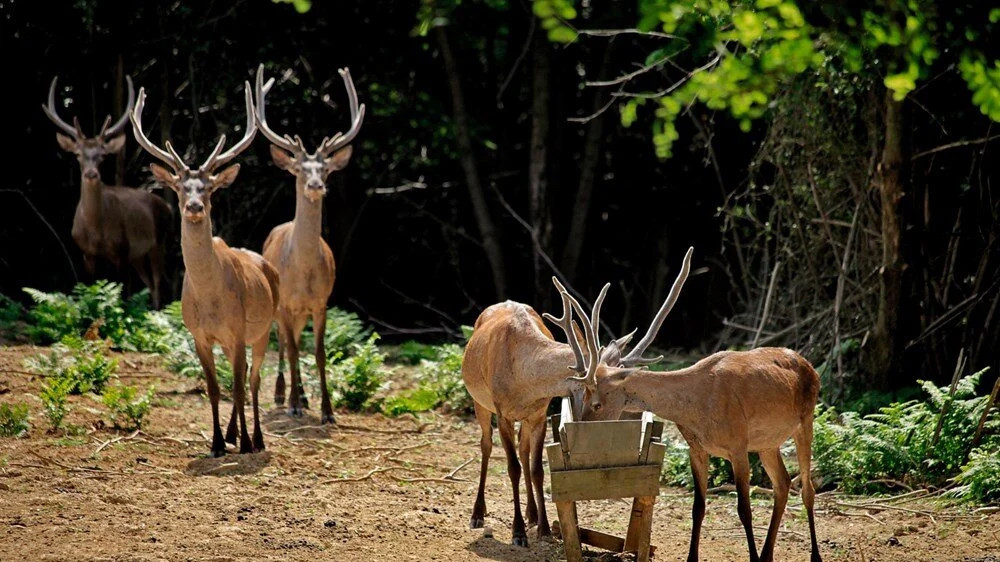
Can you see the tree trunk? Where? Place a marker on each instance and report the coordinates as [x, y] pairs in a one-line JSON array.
[[541, 223], [588, 173], [885, 350], [491, 238]]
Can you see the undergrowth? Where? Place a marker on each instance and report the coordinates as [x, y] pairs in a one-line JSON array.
[[14, 420]]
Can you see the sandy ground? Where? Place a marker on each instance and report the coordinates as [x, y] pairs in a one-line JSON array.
[[116, 496]]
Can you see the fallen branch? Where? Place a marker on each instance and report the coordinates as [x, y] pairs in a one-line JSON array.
[[113, 441]]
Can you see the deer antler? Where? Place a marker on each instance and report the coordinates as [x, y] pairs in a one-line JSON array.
[[635, 357], [566, 323], [282, 141], [50, 112], [590, 334], [170, 158], [120, 124], [340, 140], [215, 159]]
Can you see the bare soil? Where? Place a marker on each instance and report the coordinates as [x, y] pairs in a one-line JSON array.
[[109, 495]]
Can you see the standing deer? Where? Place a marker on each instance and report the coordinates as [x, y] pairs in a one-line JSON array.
[[513, 368], [230, 294], [725, 405], [114, 223], [297, 248]]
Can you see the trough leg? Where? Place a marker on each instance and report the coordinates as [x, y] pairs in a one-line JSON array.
[[639, 527], [570, 530]]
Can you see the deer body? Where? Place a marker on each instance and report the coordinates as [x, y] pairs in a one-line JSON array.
[[512, 367], [726, 405], [297, 248], [230, 295], [113, 223]]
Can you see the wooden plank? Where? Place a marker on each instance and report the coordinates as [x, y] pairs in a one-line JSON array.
[[602, 444], [656, 453], [598, 539], [569, 530], [555, 455], [647, 435], [639, 528], [565, 416], [657, 431], [606, 483]]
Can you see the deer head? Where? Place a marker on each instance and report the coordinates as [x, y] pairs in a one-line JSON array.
[[606, 367], [89, 151], [310, 170], [194, 186]]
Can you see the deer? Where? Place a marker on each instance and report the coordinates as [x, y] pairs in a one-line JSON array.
[[230, 295], [725, 405], [297, 249], [513, 367], [113, 223]]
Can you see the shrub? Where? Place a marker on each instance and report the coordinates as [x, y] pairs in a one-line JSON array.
[[126, 407], [413, 352], [14, 420], [443, 376], [979, 479], [411, 402], [54, 393], [80, 362], [11, 313], [360, 376]]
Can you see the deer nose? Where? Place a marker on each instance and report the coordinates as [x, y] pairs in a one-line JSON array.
[[314, 184], [90, 174], [194, 207]]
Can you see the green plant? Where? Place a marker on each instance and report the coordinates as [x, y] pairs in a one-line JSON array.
[[126, 407], [979, 479], [357, 378], [344, 330], [14, 420], [413, 352], [411, 402], [11, 313], [53, 394], [81, 363], [443, 376]]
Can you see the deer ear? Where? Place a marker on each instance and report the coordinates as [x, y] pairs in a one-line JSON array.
[[612, 354], [163, 176], [282, 159], [339, 159], [225, 178], [115, 144], [67, 143]]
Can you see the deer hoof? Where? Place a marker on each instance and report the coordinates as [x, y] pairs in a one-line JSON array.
[[520, 540], [279, 399], [216, 453], [544, 533], [476, 523], [328, 418], [258, 443], [295, 411]]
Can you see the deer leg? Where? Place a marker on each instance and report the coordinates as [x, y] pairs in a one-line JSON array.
[[156, 274], [699, 471], [231, 432], [803, 448], [538, 476], [485, 419], [319, 332], [239, 361], [208, 366], [293, 327], [141, 267], [741, 473], [780, 481], [524, 455], [520, 537], [279, 383], [90, 265], [259, 351]]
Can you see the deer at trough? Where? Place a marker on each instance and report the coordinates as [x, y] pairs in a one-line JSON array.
[[113, 223], [513, 367], [230, 295], [725, 405], [297, 249]]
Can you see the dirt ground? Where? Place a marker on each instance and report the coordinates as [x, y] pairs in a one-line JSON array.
[[150, 496]]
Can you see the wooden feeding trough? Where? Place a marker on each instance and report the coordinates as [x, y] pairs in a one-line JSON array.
[[605, 460]]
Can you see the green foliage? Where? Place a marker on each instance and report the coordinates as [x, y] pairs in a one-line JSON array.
[[301, 6], [126, 407], [897, 443], [979, 480], [54, 394], [344, 330], [984, 81], [81, 363], [14, 420], [357, 378], [11, 313], [127, 324], [413, 352], [411, 402], [554, 15]]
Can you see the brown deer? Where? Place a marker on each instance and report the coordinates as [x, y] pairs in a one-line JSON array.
[[297, 248], [725, 405], [113, 223], [513, 368], [230, 295]]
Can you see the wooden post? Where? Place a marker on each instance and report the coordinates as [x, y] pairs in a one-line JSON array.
[[639, 527], [569, 530]]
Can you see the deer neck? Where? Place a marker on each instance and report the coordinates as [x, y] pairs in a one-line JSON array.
[[201, 264], [90, 205], [308, 225], [670, 394], [550, 370]]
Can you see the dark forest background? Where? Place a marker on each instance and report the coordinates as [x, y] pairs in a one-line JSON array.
[[788, 209]]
